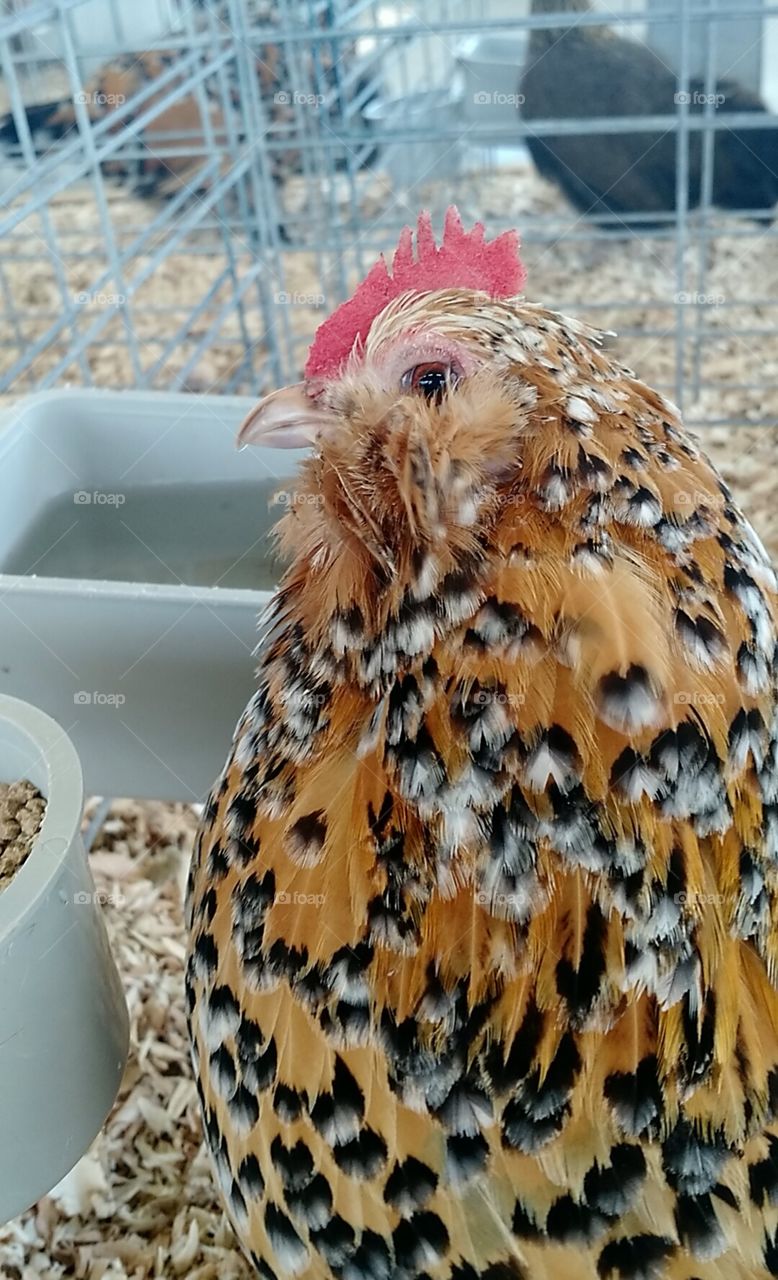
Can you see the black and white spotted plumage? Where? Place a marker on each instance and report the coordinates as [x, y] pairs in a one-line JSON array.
[[483, 911]]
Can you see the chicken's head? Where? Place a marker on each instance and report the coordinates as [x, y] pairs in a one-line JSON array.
[[403, 396], [418, 329]]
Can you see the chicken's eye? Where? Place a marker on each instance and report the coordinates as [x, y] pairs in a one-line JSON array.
[[431, 380]]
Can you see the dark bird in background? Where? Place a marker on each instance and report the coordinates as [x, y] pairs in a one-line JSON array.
[[584, 72]]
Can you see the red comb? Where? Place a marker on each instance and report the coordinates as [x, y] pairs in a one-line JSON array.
[[464, 260]]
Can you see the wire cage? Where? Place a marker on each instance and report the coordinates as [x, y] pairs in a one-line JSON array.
[[188, 188]]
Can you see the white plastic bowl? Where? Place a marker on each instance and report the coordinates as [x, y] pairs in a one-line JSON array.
[[148, 680], [63, 1021]]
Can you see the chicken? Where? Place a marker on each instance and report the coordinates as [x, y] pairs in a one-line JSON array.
[[482, 913], [586, 72], [156, 167], [174, 143]]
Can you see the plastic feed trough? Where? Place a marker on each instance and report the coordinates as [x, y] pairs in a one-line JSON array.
[[119, 511]]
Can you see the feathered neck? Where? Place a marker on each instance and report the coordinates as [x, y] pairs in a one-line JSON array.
[[399, 487]]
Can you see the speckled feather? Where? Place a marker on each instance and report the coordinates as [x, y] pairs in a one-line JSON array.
[[483, 912]]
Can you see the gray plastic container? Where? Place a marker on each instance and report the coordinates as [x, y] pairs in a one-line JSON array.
[[148, 680], [490, 67], [63, 1021], [431, 159]]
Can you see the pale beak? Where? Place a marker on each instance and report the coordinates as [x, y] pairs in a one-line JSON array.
[[286, 419]]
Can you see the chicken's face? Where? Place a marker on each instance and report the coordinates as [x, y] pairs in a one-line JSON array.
[[422, 347], [419, 330], [415, 406]]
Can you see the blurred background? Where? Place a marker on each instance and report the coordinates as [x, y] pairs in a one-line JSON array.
[[188, 188]]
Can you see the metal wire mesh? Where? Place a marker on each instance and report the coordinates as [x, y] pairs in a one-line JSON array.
[[193, 233]]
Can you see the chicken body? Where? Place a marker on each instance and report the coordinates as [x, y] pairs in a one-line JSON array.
[[483, 909]]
